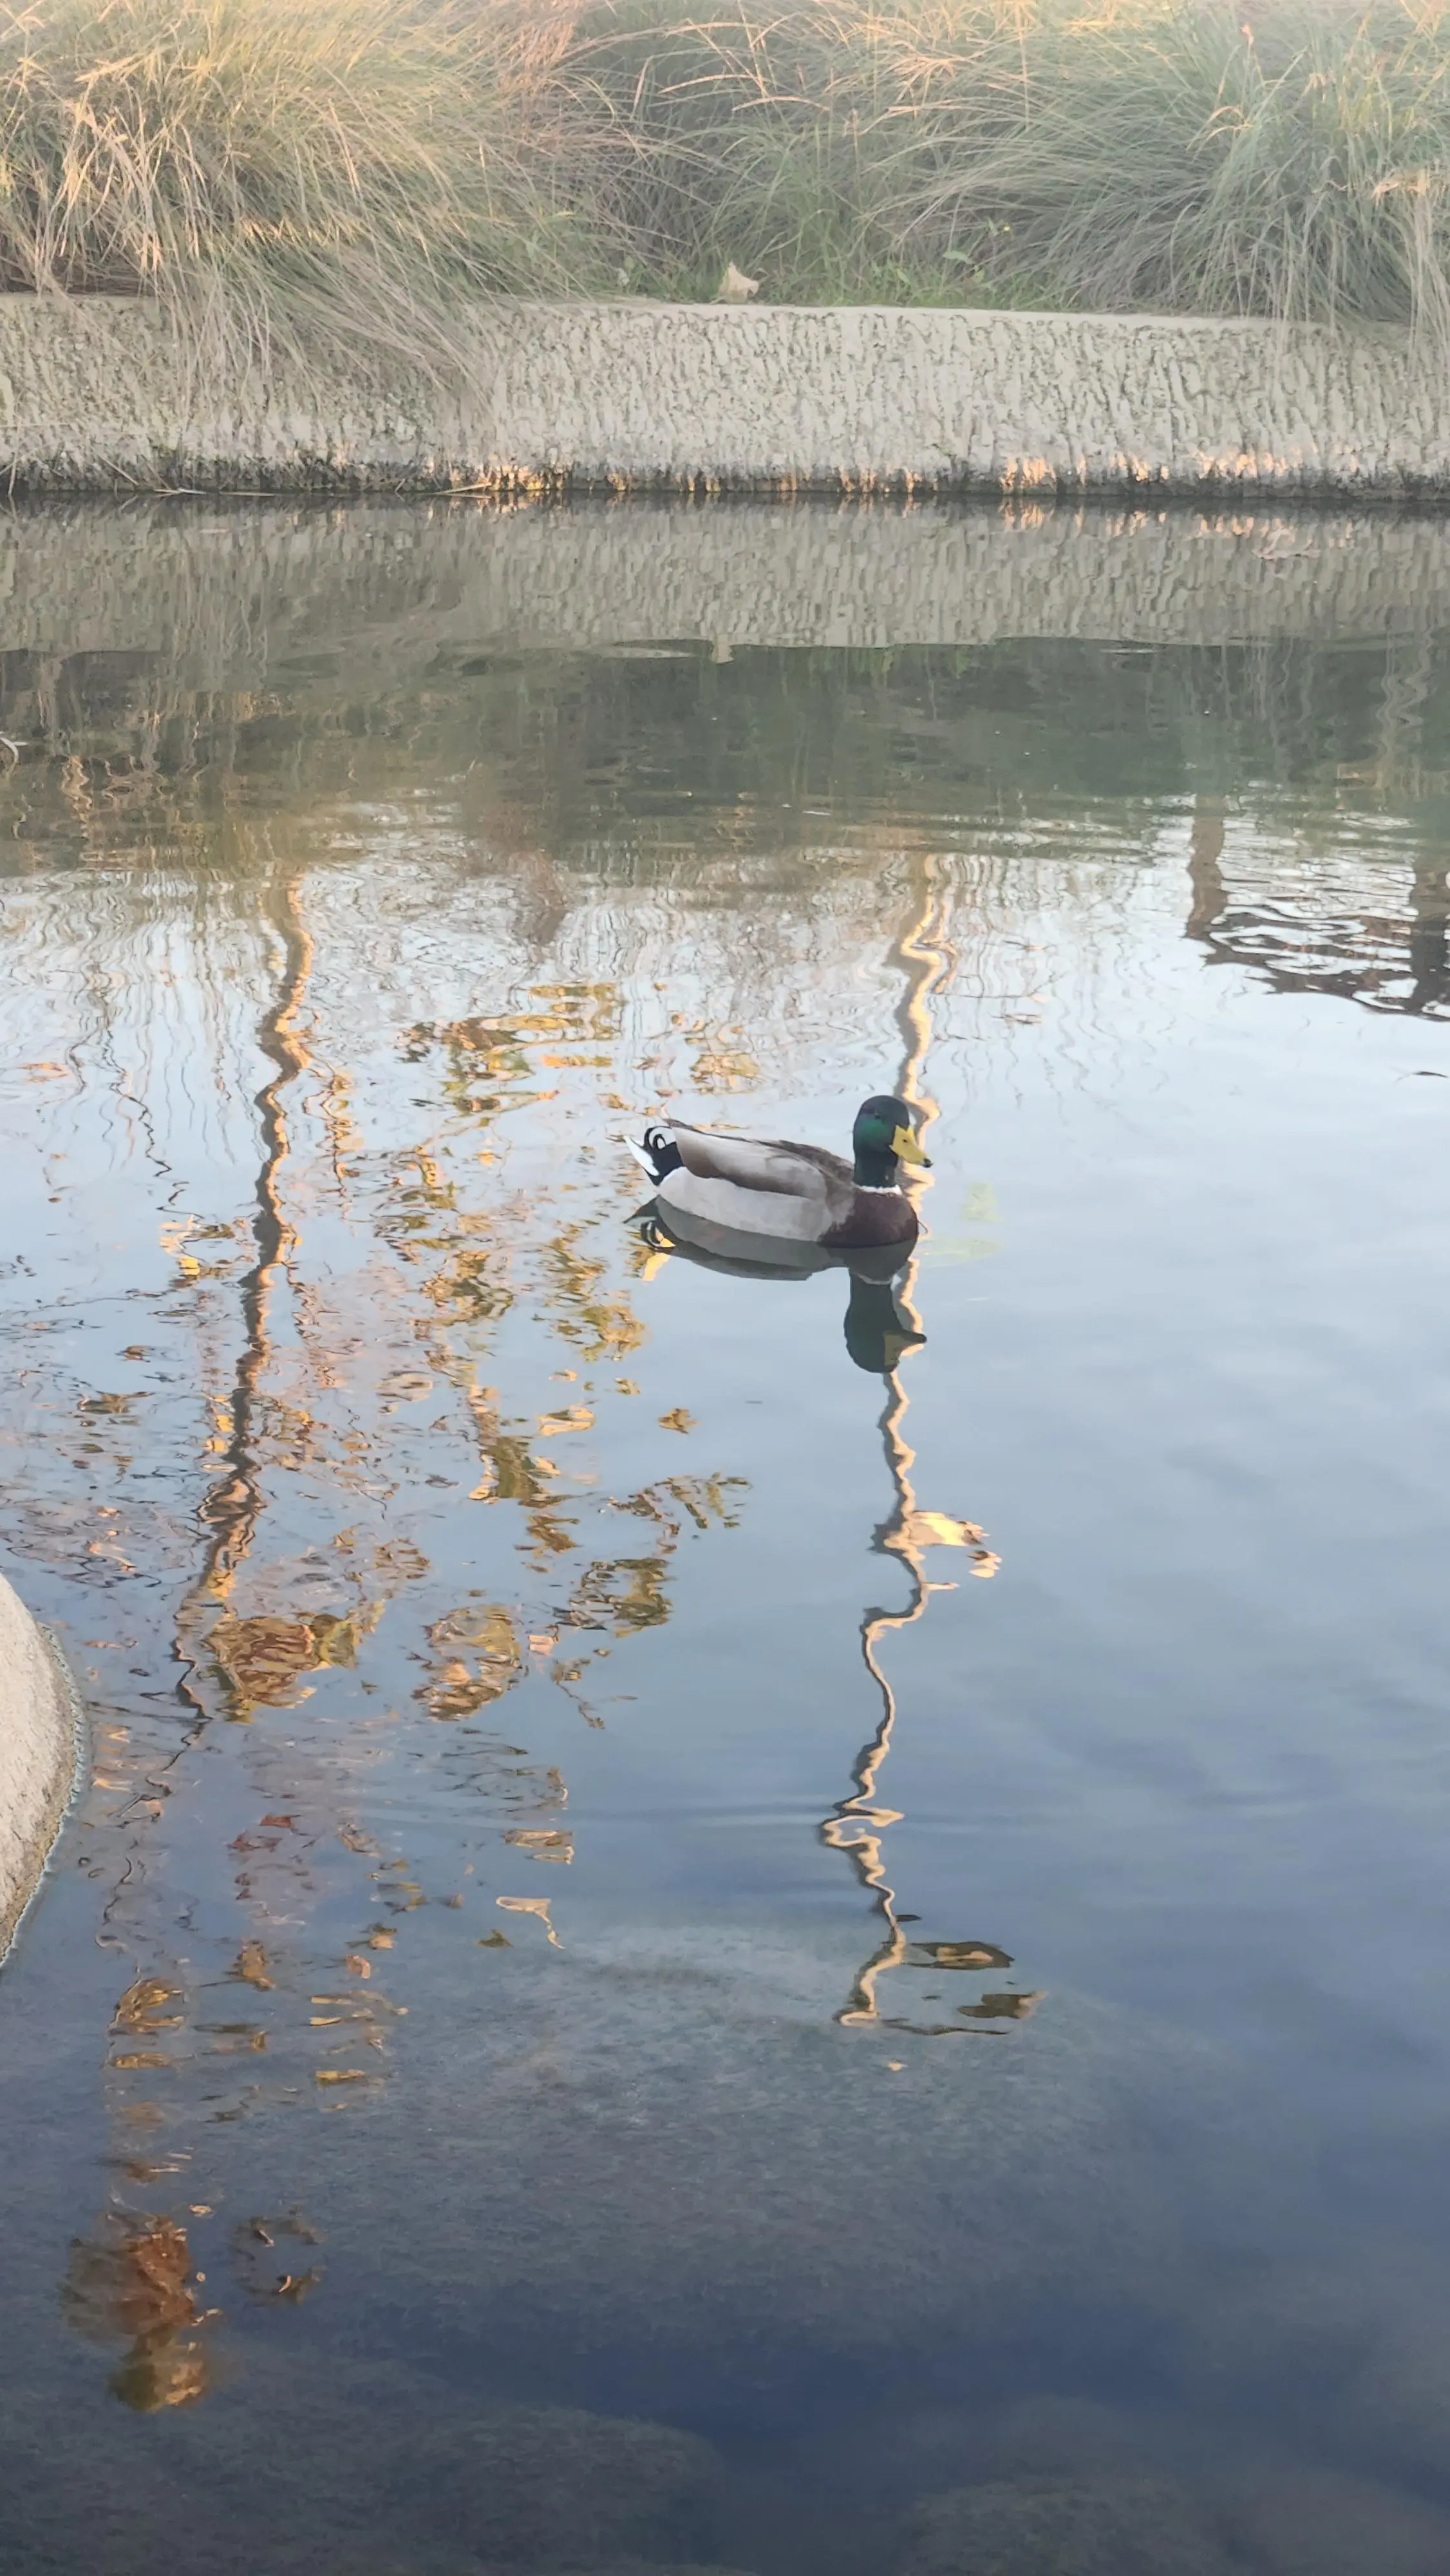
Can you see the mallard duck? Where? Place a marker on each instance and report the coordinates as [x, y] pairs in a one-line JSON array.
[[753, 1185]]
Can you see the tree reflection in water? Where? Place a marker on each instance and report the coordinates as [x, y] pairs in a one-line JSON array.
[[317, 1396], [859, 1823], [1331, 932]]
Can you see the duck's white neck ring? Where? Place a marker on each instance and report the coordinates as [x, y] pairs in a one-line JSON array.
[[881, 1189]]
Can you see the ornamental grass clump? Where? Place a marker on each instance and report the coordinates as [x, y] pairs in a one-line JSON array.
[[337, 166], [1291, 159], [1287, 157]]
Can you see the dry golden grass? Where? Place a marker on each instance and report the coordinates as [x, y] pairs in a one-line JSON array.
[[344, 165], [353, 166], [1288, 156]]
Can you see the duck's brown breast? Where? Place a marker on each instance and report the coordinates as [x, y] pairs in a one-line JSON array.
[[874, 1216]]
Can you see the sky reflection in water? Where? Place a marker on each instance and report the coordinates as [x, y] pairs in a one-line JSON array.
[[541, 1673]]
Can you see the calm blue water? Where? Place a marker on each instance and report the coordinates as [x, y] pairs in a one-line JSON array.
[[639, 1857]]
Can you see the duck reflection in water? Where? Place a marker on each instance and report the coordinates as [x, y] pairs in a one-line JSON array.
[[878, 1330]]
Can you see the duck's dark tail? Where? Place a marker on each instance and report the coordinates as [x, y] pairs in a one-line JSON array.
[[657, 1154]]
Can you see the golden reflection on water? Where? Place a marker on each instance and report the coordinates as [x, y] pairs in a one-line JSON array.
[[135, 2281], [858, 1825], [260, 1621]]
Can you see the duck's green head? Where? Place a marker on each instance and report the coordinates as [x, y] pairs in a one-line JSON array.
[[883, 1138]]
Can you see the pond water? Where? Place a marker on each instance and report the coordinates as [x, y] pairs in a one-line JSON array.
[[709, 1909]]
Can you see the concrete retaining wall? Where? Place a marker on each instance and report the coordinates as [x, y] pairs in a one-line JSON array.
[[96, 394], [39, 1727]]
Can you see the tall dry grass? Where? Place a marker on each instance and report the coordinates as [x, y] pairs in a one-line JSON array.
[[1254, 156], [352, 166], [343, 166]]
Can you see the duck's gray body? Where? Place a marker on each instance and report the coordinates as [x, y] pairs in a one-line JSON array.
[[796, 1193]]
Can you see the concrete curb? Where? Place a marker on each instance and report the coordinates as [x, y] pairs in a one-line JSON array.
[[98, 394], [42, 1735]]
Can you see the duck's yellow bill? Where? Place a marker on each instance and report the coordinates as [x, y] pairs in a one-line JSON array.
[[904, 1144]]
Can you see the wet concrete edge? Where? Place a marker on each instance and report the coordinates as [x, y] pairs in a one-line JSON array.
[[44, 1715]]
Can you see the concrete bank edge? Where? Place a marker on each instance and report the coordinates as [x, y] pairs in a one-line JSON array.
[[43, 1738], [98, 394]]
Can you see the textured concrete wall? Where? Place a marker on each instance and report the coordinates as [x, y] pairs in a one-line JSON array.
[[96, 394], [38, 1721], [231, 596]]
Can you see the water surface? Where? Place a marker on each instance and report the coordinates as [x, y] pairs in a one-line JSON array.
[[859, 1879]]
